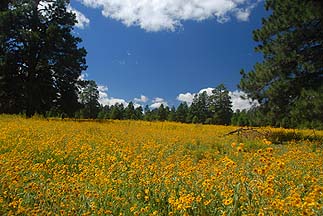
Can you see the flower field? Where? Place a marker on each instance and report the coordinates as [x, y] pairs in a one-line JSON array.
[[54, 167]]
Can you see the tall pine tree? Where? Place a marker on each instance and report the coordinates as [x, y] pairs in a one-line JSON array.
[[290, 78], [199, 110], [40, 60], [89, 98], [220, 105]]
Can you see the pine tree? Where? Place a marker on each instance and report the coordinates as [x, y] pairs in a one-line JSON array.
[[220, 105], [172, 114], [162, 112], [199, 108], [40, 61], [291, 41], [147, 113], [182, 112], [130, 111], [89, 98], [117, 111], [139, 113]]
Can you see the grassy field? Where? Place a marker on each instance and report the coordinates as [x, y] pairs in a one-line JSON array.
[[141, 168]]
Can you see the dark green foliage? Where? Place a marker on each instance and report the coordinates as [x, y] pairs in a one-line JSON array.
[[308, 110], [130, 111], [147, 113], [117, 112], [162, 113], [252, 117], [172, 114], [211, 109], [40, 61], [199, 110], [240, 118], [101, 114], [195, 120], [182, 113], [139, 113], [220, 106], [288, 83], [104, 112], [89, 97]]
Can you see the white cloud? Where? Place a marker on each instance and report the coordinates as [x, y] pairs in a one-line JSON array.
[[236, 98], [112, 101], [102, 88], [187, 97], [142, 99], [243, 14], [157, 102], [156, 15], [81, 20], [239, 103], [102, 92], [207, 90], [104, 98]]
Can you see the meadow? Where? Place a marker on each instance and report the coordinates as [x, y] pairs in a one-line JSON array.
[[55, 167]]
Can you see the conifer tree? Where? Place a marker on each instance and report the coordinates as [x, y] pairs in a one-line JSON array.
[[40, 61], [290, 78], [220, 105]]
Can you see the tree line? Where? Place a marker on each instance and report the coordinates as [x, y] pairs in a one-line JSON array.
[[215, 108], [41, 62]]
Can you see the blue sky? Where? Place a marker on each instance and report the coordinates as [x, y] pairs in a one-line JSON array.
[[161, 53]]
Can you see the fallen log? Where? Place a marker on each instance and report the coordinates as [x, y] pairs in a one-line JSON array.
[[240, 130]]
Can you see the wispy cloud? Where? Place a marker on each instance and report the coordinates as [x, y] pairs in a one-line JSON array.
[[169, 14], [122, 62], [243, 14], [142, 99], [157, 102]]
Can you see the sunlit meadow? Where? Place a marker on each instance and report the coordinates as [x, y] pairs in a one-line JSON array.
[[55, 167]]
